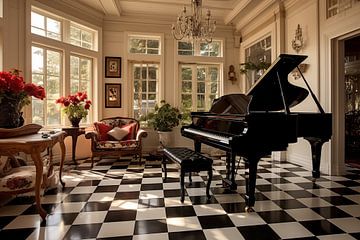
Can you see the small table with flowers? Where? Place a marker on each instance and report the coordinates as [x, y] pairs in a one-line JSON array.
[[74, 132]]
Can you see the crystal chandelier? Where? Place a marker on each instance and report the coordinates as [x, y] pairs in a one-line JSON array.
[[191, 27]]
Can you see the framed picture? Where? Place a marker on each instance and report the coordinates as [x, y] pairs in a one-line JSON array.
[[112, 95], [113, 67]]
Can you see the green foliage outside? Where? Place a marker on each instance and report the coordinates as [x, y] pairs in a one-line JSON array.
[[164, 118]]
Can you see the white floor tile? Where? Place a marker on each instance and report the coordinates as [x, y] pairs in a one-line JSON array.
[[49, 233], [175, 202], [150, 213], [348, 225], [229, 198], [102, 197], [183, 224], [116, 229], [314, 202], [353, 210], [223, 234], [303, 214], [129, 188], [13, 210], [208, 209], [152, 180], [277, 195], [151, 194], [262, 206], [69, 207], [83, 190], [130, 204], [110, 182], [154, 236], [246, 219], [25, 221], [290, 230], [90, 217]]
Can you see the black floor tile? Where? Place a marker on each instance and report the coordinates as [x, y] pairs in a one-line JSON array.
[[277, 181], [289, 204], [83, 231], [150, 226], [258, 232], [276, 216], [173, 193], [152, 175], [197, 200], [300, 194], [96, 206], [338, 200], [131, 181], [111, 188], [349, 183], [22, 200], [151, 203], [5, 221], [127, 195], [21, 233], [49, 208], [331, 212], [321, 227], [181, 211], [187, 235], [215, 221], [267, 188], [308, 185], [344, 191], [154, 186], [234, 207], [195, 185], [121, 215]]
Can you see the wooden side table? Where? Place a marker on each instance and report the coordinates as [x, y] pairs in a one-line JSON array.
[[35, 144], [74, 132]]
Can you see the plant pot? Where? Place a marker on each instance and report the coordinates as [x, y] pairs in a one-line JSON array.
[[166, 138], [74, 121], [10, 115]]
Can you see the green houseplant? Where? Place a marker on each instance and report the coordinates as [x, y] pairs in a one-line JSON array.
[[164, 118]]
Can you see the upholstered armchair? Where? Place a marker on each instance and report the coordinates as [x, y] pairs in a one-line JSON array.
[[116, 137]]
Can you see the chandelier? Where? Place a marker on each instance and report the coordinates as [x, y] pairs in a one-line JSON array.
[[191, 27]]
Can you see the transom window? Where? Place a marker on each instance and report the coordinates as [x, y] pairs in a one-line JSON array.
[[212, 49], [45, 26], [81, 37], [48, 25], [144, 45]]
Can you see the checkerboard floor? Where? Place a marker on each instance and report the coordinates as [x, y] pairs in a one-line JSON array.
[[122, 199]]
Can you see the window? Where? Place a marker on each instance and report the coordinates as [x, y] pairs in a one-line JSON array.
[[48, 25], [81, 37], [212, 49], [45, 26], [335, 7], [62, 67], [46, 72], [144, 45], [146, 81], [258, 55], [199, 86], [80, 74]]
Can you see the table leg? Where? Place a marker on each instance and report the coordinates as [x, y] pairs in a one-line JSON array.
[[74, 140], [62, 147], [35, 155]]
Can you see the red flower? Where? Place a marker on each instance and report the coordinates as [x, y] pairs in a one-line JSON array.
[[87, 106]]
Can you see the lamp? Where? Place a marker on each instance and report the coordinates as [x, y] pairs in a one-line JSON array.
[[298, 42], [191, 27]]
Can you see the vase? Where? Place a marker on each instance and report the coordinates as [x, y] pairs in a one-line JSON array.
[[10, 115], [74, 121]]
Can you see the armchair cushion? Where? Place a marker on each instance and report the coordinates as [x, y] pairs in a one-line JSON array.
[[118, 133], [102, 129], [131, 128]]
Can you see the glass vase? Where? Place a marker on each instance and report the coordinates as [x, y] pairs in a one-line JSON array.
[[74, 121]]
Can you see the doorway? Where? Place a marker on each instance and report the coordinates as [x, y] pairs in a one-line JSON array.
[[352, 100]]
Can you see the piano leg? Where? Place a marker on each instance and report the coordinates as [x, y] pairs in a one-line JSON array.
[[316, 146], [229, 181], [197, 146], [250, 181]]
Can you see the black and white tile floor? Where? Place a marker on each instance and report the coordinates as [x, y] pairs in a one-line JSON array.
[[124, 200]]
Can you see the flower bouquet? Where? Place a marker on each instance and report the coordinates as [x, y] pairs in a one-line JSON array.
[[75, 106], [14, 95]]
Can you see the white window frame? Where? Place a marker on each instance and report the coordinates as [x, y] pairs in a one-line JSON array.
[[68, 49], [144, 37], [131, 58], [196, 49]]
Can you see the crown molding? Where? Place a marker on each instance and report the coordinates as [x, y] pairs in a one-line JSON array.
[[236, 11]]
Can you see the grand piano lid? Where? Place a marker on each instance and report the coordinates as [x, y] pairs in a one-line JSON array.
[[266, 92]]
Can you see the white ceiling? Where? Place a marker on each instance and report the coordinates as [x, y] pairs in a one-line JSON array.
[[223, 11]]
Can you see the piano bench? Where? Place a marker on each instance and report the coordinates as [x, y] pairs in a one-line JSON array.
[[189, 161]]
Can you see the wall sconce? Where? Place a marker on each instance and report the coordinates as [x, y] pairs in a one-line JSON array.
[[296, 74], [232, 74], [298, 42]]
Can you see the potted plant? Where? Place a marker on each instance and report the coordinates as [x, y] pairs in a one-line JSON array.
[[163, 120], [75, 106]]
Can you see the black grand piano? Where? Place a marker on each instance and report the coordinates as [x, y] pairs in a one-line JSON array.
[[254, 124]]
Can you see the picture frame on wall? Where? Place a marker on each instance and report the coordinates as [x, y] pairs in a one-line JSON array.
[[112, 95], [113, 67]]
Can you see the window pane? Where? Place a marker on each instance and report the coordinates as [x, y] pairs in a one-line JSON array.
[[37, 20], [75, 34], [38, 31], [53, 113], [186, 101], [152, 86], [214, 88], [75, 86], [143, 86], [53, 63], [74, 67], [53, 87], [136, 86], [37, 111], [85, 86], [186, 87], [201, 74], [137, 73], [153, 43], [200, 102], [137, 45], [38, 79], [37, 60], [153, 51], [186, 73], [201, 87], [152, 73]]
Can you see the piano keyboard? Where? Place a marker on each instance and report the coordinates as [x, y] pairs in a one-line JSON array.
[[214, 136]]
